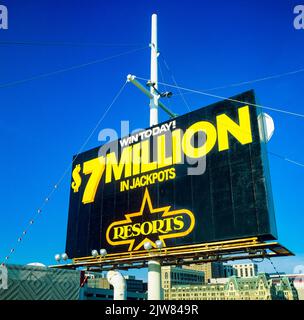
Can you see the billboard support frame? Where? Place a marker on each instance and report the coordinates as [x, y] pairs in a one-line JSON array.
[[223, 251]]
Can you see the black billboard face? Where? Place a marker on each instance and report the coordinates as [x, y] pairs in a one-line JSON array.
[[199, 178]]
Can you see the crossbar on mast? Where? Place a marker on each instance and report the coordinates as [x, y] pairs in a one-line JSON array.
[[132, 79]]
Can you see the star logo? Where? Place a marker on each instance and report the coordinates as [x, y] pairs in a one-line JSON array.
[[150, 224]]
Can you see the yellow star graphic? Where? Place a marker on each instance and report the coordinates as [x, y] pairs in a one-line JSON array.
[[166, 213]]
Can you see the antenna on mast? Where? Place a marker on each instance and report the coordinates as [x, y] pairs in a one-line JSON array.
[[154, 95]]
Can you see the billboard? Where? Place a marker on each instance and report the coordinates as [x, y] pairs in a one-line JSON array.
[[194, 179]]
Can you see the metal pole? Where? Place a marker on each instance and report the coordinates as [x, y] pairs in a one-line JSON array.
[[154, 280], [154, 73], [154, 268]]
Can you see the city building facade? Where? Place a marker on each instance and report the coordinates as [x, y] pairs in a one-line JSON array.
[[173, 276], [296, 282], [229, 271], [41, 283], [211, 270], [245, 270], [97, 287], [259, 287]]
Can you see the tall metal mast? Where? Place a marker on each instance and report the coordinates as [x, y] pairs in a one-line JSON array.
[[154, 73], [154, 266], [153, 94]]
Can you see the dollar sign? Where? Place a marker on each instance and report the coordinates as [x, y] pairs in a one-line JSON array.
[[76, 178]]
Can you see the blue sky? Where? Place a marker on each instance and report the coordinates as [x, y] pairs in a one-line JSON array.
[[206, 44]]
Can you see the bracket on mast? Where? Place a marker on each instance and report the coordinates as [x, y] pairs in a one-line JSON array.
[[132, 79]]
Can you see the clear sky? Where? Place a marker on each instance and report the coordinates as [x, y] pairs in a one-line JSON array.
[[206, 44]]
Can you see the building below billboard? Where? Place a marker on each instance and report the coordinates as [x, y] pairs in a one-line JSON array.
[[39, 283], [260, 287], [172, 276], [211, 270], [18, 282]]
